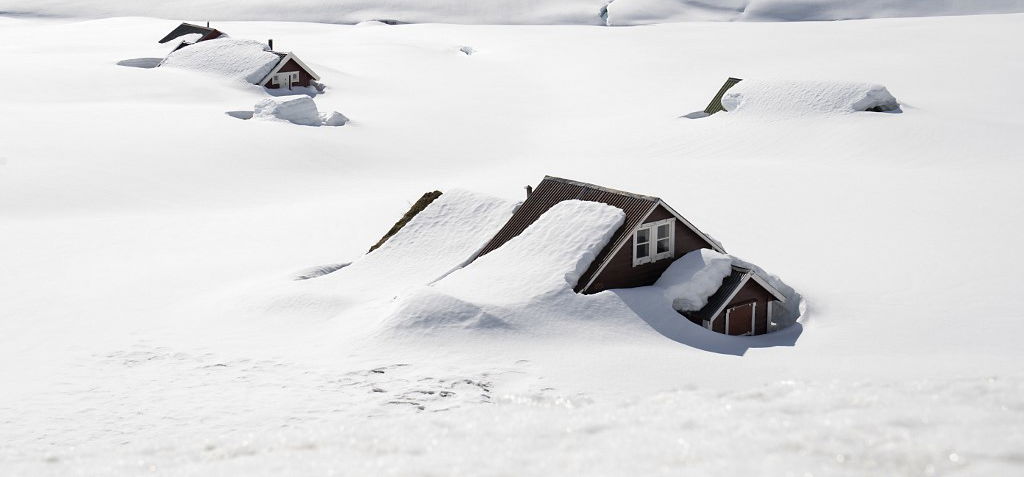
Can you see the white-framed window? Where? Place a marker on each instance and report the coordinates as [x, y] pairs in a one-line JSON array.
[[654, 241]]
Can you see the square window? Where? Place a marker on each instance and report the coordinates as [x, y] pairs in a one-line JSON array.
[[663, 231], [643, 236], [643, 250], [663, 246]]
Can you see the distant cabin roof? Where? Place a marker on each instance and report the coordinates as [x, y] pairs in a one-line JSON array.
[[730, 286], [186, 28]]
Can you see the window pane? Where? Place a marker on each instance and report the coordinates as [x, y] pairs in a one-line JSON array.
[[662, 246], [643, 250], [663, 231], [643, 236]]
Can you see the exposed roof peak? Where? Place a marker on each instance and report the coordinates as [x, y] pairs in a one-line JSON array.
[[601, 188]]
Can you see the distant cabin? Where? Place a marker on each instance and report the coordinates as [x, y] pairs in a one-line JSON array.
[[289, 72]]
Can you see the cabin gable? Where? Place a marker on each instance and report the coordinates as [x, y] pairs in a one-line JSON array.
[[290, 66], [621, 272]]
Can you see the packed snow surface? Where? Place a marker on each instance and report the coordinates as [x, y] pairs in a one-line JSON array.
[[297, 109], [693, 278], [585, 12], [443, 237], [794, 98], [151, 323], [247, 60], [518, 279]]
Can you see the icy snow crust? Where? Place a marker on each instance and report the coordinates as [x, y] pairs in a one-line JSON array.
[[511, 286], [246, 60], [795, 98], [584, 12]]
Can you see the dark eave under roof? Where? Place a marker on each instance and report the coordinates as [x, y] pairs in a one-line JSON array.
[[725, 291]]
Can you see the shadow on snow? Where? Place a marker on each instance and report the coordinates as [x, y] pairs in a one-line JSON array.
[[649, 304]]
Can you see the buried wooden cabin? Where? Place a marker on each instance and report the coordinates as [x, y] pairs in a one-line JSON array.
[[289, 72], [652, 236]]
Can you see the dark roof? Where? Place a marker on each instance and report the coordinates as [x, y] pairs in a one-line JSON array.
[[716, 102], [553, 190], [725, 291], [188, 28]]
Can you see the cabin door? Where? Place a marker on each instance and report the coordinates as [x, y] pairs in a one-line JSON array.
[[739, 320]]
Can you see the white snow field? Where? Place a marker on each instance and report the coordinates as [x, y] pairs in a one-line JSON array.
[[581, 12], [150, 322]]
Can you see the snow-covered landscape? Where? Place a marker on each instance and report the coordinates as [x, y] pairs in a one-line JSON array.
[[186, 293]]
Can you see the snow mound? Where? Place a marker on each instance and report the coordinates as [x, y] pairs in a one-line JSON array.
[[525, 279], [246, 60], [797, 98], [549, 256], [297, 109], [693, 278], [443, 237]]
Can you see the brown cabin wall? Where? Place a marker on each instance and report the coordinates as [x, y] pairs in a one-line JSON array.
[[304, 77], [620, 272], [751, 291]]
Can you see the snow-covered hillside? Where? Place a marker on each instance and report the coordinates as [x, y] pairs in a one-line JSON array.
[[150, 320], [580, 12]]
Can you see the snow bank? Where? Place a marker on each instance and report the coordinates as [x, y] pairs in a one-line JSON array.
[[693, 278], [549, 256], [443, 237], [585, 12], [797, 98], [522, 282], [297, 109], [246, 60]]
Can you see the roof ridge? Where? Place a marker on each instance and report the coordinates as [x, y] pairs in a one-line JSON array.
[[601, 188]]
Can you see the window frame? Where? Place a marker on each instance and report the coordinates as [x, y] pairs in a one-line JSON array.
[[652, 243]]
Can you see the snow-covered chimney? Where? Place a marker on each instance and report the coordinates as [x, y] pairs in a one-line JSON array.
[[529, 190], [270, 43]]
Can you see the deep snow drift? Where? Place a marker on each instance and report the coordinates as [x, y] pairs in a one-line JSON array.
[[799, 98], [512, 286], [584, 12]]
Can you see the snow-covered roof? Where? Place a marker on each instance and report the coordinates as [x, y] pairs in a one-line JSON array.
[[731, 285], [553, 190], [798, 98], [248, 60]]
